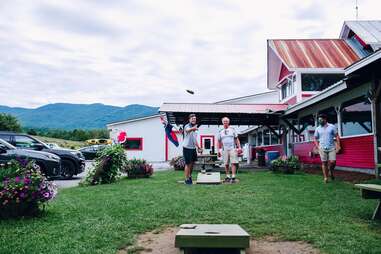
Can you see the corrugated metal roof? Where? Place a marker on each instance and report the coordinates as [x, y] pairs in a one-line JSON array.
[[222, 108], [368, 30], [314, 53], [211, 114]]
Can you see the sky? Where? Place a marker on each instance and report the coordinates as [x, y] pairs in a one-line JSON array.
[[121, 52]]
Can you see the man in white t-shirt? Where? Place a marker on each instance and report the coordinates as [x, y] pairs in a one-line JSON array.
[[229, 147]]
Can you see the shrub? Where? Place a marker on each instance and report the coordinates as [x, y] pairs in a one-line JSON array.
[[178, 163], [107, 166], [286, 165], [136, 168], [23, 189]]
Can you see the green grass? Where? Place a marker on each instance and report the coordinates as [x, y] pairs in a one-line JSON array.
[[101, 219], [62, 142]]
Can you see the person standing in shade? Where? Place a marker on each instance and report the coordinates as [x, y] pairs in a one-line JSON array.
[[190, 147], [324, 140], [229, 147]]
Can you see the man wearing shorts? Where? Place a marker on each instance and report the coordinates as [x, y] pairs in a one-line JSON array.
[[324, 139], [229, 147], [189, 147]]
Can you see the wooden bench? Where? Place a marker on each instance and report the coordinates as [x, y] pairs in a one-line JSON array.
[[372, 191]]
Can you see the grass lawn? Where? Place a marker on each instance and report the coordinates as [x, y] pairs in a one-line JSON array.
[[62, 142], [101, 219]]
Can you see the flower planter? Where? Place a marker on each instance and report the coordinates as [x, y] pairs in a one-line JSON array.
[[16, 210]]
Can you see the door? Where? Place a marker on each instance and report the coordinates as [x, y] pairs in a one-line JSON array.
[[207, 144]]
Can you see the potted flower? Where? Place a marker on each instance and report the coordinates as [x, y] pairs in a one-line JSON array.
[[24, 191]]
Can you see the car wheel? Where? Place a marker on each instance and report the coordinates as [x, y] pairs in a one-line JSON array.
[[68, 169]]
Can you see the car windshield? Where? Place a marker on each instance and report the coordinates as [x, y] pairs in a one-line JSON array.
[[46, 146], [4, 143]]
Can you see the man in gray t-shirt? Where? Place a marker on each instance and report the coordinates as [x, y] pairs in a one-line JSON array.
[[190, 145]]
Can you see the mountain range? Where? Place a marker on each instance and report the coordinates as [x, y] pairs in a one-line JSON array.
[[76, 116]]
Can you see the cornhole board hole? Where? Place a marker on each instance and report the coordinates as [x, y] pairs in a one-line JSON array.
[[209, 178], [212, 238]]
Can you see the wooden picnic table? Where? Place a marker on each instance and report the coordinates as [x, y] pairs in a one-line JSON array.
[[372, 191]]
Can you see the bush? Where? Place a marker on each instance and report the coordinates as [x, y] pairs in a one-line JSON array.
[[137, 168], [107, 166], [178, 163], [23, 189], [286, 165]]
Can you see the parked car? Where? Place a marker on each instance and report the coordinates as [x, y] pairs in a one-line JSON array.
[[100, 141], [90, 152], [72, 161], [49, 164]]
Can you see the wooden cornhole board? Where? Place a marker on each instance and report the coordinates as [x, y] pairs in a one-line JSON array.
[[229, 237], [209, 178], [372, 191]]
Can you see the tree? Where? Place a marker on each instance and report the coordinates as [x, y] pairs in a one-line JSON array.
[[9, 123]]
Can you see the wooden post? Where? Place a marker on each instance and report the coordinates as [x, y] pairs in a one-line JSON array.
[[376, 120]]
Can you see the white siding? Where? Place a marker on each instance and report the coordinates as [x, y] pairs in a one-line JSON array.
[[152, 132]]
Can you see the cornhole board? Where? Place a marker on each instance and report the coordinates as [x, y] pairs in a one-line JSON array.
[[209, 178], [372, 191], [229, 237]]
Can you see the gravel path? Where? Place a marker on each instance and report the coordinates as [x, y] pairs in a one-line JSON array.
[[158, 166]]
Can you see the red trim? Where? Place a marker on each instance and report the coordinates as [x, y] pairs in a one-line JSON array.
[[167, 144], [207, 136], [291, 101], [283, 72], [361, 41], [307, 94], [166, 147], [137, 149]]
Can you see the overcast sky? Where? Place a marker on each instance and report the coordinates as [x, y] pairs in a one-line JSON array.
[[121, 52]]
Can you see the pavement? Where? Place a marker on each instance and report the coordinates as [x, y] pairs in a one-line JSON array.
[[157, 166]]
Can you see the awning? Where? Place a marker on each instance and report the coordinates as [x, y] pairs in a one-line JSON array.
[[211, 114]]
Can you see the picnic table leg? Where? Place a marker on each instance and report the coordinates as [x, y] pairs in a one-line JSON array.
[[377, 212]]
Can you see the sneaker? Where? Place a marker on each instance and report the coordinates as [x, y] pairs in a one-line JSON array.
[[227, 180], [188, 181], [232, 180]]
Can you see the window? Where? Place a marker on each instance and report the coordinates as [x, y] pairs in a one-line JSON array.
[[274, 138], [260, 140], [207, 143], [254, 140], [331, 114], [5, 137], [266, 137], [25, 142], [133, 144], [356, 117], [319, 82], [308, 123], [288, 87]]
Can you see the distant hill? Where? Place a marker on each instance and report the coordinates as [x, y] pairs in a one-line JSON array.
[[76, 116]]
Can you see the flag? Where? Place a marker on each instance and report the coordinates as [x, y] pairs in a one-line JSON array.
[[171, 135]]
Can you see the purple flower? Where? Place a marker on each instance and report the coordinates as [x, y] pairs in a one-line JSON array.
[[27, 181], [46, 195], [17, 179]]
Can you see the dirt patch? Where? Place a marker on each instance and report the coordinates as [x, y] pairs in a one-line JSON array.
[[347, 176], [163, 242]]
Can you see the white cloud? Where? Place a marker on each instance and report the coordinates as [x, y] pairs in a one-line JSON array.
[[121, 52]]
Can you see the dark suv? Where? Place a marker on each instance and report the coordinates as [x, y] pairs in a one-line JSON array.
[[72, 161], [48, 163]]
